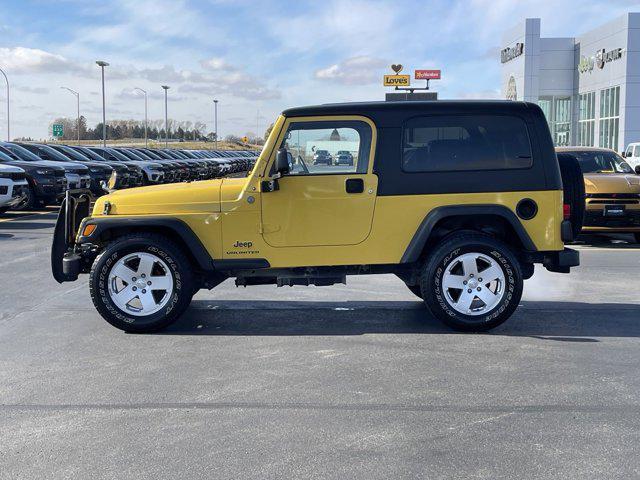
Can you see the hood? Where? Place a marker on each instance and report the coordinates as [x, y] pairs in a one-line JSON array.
[[172, 198], [29, 166], [10, 168], [611, 183]]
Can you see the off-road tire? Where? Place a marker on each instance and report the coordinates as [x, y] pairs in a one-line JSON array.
[[573, 190], [448, 251], [174, 258]]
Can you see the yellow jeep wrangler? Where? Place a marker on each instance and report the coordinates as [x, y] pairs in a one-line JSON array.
[[459, 199]]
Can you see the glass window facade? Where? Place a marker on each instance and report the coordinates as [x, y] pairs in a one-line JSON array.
[[609, 117], [587, 119], [558, 113]]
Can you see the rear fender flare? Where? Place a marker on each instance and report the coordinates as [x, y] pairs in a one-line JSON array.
[[420, 238]]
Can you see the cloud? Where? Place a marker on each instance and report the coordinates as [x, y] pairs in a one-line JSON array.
[[27, 89], [216, 64], [361, 70], [23, 60]]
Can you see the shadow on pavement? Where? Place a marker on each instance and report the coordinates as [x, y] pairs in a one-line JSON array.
[[25, 225], [555, 321], [612, 240]]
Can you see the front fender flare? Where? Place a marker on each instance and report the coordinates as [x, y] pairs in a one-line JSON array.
[[178, 227]]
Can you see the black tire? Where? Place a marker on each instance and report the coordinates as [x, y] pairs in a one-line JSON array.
[[415, 289], [573, 190], [180, 269], [444, 255], [4, 210], [31, 202]]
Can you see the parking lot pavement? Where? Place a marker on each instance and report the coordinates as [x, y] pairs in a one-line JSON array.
[[337, 382]]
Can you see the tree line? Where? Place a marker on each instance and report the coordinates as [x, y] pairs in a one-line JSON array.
[[125, 129], [134, 129]]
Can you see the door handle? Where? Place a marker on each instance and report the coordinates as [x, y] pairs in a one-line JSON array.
[[354, 185]]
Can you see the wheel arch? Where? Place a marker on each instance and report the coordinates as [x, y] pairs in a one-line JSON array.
[[175, 229], [441, 221]]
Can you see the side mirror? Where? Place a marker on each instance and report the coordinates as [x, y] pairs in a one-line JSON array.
[[282, 161], [637, 169], [624, 154]]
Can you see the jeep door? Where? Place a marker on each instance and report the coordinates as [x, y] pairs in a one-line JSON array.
[[322, 204]]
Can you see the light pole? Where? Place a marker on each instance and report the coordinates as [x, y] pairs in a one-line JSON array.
[[102, 64], [78, 101], [146, 143], [215, 120], [8, 123], [166, 119]]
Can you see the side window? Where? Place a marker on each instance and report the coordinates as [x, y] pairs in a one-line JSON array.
[[328, 147], [629, 151], [465, 142], [636, 151]]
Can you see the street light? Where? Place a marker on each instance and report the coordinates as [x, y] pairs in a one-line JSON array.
[[102, 64], [8, 124], [166, 121], [215, 120], [78, 100], [146, 143]]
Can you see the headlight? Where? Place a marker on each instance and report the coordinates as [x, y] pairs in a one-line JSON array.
[[112, 181], [44, 172]]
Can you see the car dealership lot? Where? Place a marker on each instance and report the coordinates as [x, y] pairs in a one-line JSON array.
[[330, 382]]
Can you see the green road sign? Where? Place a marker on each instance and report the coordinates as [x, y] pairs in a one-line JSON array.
[[58, 130]]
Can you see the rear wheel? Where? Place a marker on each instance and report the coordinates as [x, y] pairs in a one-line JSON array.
[[141, 283], [573, 190], [472, 282]]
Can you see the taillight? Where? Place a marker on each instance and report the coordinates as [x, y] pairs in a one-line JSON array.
[[566, 211]]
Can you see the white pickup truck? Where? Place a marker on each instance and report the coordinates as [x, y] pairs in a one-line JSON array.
[[13, 186]]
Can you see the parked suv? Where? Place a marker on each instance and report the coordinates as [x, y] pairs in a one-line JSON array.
[[612, 191], [632, 154], [322, 157], [344, 157], [46, 180], [458, 199], [13, 186]]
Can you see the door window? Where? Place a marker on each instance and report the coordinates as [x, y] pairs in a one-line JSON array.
[[636, 151], [328, 147]]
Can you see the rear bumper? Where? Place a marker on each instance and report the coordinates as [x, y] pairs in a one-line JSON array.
[[561, 261]]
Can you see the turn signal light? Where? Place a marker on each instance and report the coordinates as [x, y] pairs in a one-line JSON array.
[[88, 230], [566, 211]]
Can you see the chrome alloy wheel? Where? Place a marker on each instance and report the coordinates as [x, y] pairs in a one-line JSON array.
[[140, 284], [473, 283]]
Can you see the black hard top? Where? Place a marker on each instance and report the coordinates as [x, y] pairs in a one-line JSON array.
[[393, 109]]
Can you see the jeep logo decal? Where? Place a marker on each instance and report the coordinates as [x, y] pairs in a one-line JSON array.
[[240, 244]]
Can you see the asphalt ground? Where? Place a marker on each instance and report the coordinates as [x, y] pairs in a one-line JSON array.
[[353, 381]]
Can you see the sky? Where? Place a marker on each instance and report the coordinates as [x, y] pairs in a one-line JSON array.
[[256, 57]]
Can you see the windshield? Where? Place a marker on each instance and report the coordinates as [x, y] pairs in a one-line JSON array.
[[4, 157], [71, 153], [22, 152], [118, 155], [602, 162], [56, 155]]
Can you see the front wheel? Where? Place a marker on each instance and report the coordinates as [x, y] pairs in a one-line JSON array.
[[472, 282], [141, 283]]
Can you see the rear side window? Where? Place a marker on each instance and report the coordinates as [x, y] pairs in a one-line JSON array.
[[465, 142]]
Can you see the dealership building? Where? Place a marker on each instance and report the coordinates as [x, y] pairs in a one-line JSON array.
[[587, 86]]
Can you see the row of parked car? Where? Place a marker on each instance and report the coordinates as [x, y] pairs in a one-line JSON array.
[[33, 175]]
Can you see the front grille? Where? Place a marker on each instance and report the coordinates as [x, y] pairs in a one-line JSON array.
[[58, 173], [596, 218], [18, 176]]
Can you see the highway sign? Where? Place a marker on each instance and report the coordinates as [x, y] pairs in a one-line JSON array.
[[58, 130], [397, 80], [427, 74]]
